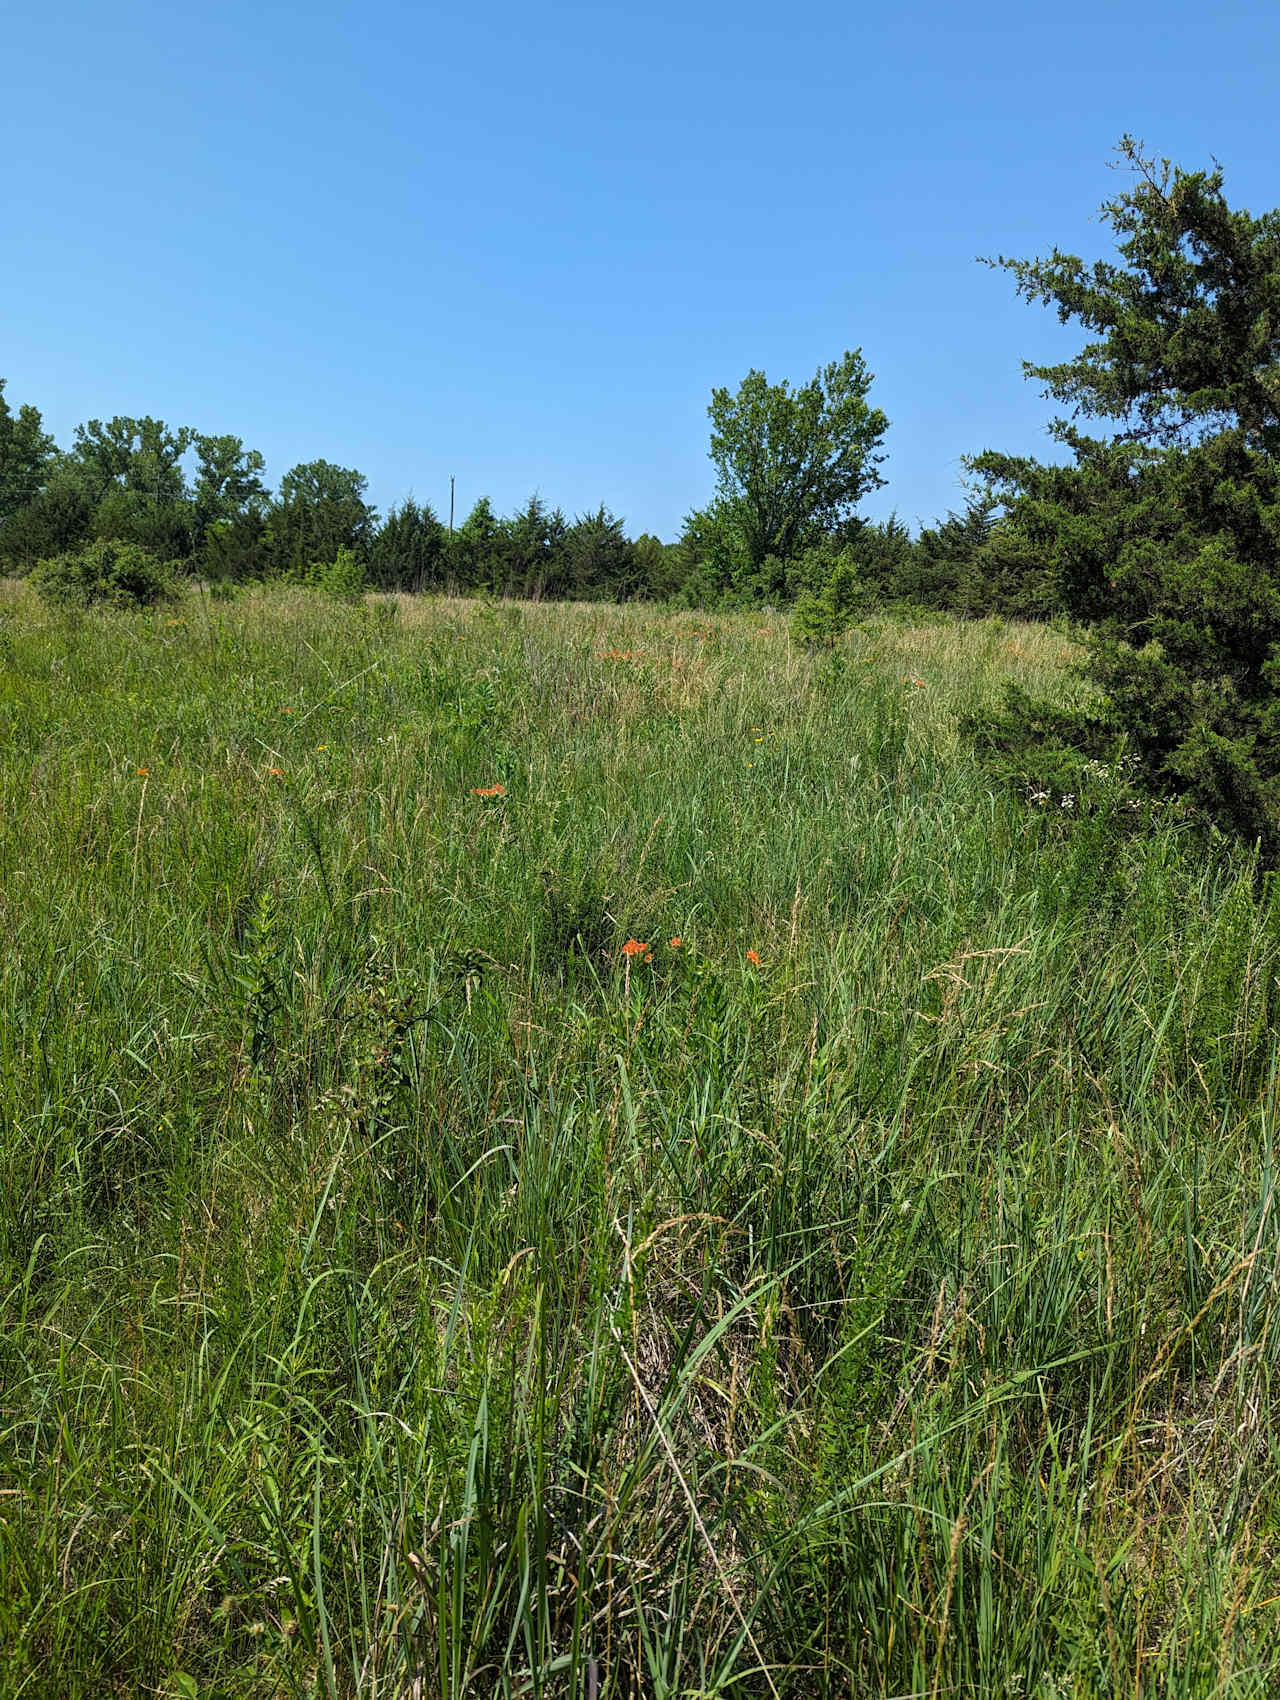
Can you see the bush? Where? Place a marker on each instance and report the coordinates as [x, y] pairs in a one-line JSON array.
[[344, 579], [823, 616], [120, 575]]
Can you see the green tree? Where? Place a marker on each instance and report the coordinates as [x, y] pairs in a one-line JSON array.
[[1166, 534], [26, 452], [409, 550], [534, 550], [235, 549], [475, 550], [56, 520], [792, 464], [131, 471], [140, 455], [659, 566], [228, 481], [600, 560], [321, 509]]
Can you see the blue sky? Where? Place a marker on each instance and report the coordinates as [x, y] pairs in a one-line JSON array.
[[522, 244]]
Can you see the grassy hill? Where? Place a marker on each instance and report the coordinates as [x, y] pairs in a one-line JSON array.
[[575, 1151]]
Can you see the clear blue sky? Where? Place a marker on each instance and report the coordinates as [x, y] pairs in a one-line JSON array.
[[522, 244]]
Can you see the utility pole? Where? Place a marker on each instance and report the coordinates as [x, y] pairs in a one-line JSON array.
[[451, 504]]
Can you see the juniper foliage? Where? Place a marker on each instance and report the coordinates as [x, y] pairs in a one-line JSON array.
[[1165, 536]]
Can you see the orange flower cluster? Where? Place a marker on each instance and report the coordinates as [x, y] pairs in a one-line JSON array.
[[633, 947], [621, 654], [908, 680], [753, 959], [488, 790]]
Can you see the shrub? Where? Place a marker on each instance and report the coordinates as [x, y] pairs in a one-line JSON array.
[[121, 575], [343, 579], [823, 616]]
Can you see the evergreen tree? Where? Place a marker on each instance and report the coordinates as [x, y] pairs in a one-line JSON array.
[[475, 550], [600, 561], [321, 509], [409, 550], [533, 552], [1166, 534]]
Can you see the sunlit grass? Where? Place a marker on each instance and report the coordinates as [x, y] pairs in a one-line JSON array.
[[867, 1287]]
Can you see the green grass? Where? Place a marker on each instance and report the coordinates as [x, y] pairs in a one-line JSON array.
[[407, 1293]]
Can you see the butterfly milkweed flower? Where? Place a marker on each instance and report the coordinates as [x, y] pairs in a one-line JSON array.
[[676, 942], [488, 790], [276, 772], [143, 772], [753, 959], [633, 947]]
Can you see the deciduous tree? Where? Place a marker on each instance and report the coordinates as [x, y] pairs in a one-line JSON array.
[[793, 463]]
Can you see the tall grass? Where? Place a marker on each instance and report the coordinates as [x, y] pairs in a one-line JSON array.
[[407, 1292]]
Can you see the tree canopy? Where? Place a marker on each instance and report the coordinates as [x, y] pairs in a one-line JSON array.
[[792, 463]]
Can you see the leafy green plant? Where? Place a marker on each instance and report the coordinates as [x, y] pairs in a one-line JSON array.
[[109, 573], [823, 616], [343, 579]]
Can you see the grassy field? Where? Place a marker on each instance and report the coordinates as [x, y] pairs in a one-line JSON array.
[[865, 1285]]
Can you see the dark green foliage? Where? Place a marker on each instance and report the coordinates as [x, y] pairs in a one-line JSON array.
[[658, 565], [138, 454], [978, 563], [600, 561], [58, 518], [234, 549], [409, 551], [117, 575], [475, 547], [227, 482], [321, 508], [165, 528], [26, 450], [530, 554], [1166, 535], [882, 553]]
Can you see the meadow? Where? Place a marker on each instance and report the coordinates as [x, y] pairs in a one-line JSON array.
[[582, 1151]]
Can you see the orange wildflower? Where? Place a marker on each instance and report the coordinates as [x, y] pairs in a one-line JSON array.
[[286, 711], [488, 790], [753, 958], [276, 772], [633, 947], [676, 942], [143, 772]]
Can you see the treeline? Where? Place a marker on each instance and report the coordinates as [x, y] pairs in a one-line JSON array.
[[199, 503]]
